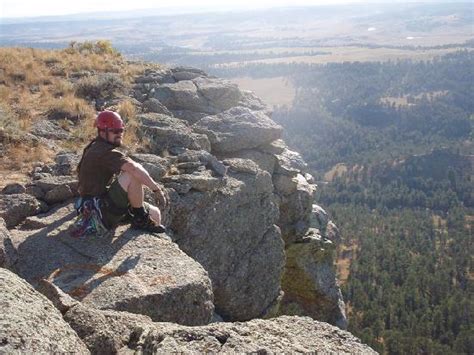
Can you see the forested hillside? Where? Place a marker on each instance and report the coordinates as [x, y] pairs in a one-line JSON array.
[[366, 112], [401, 195]]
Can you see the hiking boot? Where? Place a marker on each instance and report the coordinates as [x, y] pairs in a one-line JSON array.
[[145, 223]]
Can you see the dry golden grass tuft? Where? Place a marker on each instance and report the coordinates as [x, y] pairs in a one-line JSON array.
[[100, 86]]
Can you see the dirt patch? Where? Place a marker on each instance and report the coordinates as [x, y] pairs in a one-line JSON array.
[[336, 170], [10, 177]]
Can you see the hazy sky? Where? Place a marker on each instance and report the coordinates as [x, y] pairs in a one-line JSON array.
[[28, 8]]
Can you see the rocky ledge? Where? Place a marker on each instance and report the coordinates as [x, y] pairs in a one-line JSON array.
[[40, 327]]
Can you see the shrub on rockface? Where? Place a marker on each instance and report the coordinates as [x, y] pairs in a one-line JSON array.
[[97, 47], [101, 86], [9, 127], [69, 108]]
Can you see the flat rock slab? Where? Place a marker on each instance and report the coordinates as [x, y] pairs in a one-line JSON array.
[[30, 324], [130, 271]]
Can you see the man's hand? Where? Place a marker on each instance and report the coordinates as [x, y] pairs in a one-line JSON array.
[[161, 197]]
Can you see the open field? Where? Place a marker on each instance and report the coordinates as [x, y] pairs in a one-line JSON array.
[[352, 54], [273, 91]]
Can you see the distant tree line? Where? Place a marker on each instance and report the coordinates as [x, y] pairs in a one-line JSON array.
[[339, 114]]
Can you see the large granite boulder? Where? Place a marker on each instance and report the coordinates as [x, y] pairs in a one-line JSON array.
[[120, 332], [195, 93], [156, 166], [13, 188], [65, 164], [197, 181], [49, 130], [155, 76], [207, 159], [231, 231], [289, 162], [309, 281], [238, 128], [219, 94], [8, 255], [15, 208], [154, 105], [132, 271], [187, 73], [264, 161], [181, 95], [167, 132], [253, 102], [29, 323], [53, 189]]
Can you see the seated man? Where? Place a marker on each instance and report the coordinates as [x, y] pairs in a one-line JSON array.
[[111, 184]]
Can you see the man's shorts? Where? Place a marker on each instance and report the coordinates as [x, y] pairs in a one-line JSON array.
[[115, 206]]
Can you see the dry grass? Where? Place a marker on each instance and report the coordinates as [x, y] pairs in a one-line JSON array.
[[61, 88], [346, 253], [36, 84], [69, 108], [100, 86], [21, 156], [83, 132], [10, 130]]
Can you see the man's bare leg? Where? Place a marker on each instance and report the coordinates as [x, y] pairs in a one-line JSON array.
[[136, 195]]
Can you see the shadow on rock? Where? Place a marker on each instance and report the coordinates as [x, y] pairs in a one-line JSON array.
[[128, 271]]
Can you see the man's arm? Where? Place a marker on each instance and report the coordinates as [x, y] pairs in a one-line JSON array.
[[139, 172]]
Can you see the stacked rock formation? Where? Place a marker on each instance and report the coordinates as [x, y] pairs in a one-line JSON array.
[[236, 230], [243, 246]]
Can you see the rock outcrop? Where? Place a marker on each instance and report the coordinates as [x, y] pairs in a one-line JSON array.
[[29, 323], [228, 223], [309, 281], [231, 231], [240, 220]]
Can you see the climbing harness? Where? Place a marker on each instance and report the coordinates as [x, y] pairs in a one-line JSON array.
[[89, 219]]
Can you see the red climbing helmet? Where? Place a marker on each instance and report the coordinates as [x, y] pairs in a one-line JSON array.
[[109, 120]]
